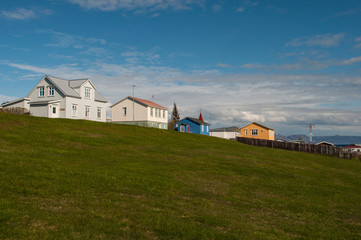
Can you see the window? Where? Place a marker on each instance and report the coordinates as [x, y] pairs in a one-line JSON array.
[[41, 92], [87, 112], [51, 91], [151, 112], [254, 132], [124, 111], [182, 129], [99, 113], [245, 132], [202, 128], [74, 110], [163, 113], [156, 112], [87, 93], [207, 129], [54, 110]]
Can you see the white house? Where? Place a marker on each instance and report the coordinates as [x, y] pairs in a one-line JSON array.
[[60, 98], [146, 113], [354, 148], [225, 132]]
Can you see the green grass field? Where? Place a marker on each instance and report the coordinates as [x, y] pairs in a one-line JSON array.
[[67, 179]]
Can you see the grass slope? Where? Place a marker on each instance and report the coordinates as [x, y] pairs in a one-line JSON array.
[[86, 180]]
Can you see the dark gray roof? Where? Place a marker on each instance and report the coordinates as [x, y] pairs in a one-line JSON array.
[[196, 120], [225, 129]]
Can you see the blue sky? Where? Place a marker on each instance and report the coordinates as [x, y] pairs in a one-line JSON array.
[[281, 63]]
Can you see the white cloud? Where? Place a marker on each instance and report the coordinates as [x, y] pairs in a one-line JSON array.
[[240, 9], [87, 46], [18, 14], [250, 3], [150, 5], [23, 13], [321, 40], [138, 57], [96, 40], [4, 98], [358, 40], [351, 61]]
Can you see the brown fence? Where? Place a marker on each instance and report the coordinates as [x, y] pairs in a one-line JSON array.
[[300, 147]]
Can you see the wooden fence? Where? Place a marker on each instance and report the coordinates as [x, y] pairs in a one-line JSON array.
[[300, 147]]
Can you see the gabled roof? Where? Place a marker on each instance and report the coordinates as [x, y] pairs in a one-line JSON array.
[[196, 120], [262, 126], [143, 102], [324, 142], [353, 146], [66, 87], [225, 129]]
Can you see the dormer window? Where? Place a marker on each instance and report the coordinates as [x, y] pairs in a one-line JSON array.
[[87, 93], [41, 91], [51, 91]]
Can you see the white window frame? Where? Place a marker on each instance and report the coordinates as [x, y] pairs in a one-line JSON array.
[[87, 92], [124, 111], [99, 113], [51, 91], [163, 113], [87, 111], [41, 91], [254, 132], [182, 128], [151, 112], [202, 128], [74, 110], [245, 132]]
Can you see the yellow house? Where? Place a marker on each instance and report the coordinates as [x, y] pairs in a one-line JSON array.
[[258, 131]]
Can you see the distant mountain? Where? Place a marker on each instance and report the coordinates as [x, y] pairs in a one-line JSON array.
[[337, 139]]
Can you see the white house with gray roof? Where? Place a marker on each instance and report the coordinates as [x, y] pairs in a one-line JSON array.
[[60, 98]]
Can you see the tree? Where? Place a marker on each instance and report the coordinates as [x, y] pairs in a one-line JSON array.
[[174, 118]]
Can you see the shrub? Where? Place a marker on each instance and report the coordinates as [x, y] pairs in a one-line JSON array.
[[15, 110]]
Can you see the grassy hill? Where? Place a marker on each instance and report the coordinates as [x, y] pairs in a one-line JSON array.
[[64, 179]]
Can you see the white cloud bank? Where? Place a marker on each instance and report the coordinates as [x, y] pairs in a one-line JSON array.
[[150, 5], [321, 40], [284, 102], [23, 13]]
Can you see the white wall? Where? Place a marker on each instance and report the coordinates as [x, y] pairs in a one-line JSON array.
[[226, 135], [81, 104], [20, 104], [158, 118], [141, 113]]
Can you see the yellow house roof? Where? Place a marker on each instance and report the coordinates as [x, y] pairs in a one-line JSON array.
[[262, 126]]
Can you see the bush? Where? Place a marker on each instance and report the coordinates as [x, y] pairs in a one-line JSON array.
[[15, 110]]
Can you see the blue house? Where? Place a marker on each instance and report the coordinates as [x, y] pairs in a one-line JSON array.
[[192, 125]]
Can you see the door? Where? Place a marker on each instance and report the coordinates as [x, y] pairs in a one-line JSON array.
[[53, 111]]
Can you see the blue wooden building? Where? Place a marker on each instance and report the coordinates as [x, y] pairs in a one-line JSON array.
[[192, 125]]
